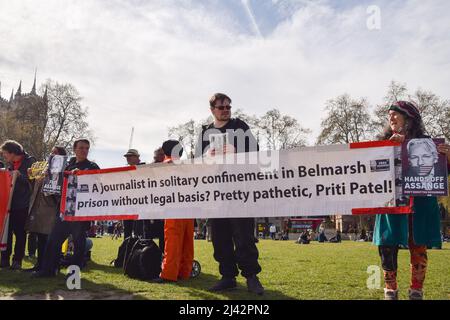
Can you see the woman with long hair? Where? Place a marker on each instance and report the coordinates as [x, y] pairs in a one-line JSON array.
[[420, 229]]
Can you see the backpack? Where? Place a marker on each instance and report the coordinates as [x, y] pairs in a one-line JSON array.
[[125, 247], [143, 261]]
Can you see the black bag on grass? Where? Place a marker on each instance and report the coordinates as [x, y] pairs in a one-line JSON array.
[[125, 247], [143, 261]]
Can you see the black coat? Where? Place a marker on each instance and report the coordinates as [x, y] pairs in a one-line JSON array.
[[22, 190], [83, 165], [250, 144]]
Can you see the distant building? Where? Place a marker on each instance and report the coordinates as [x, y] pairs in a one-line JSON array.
[[24, 118]]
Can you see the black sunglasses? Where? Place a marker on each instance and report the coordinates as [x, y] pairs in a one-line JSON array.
[[221, 108]]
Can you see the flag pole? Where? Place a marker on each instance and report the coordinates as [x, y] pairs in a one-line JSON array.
[[131, 138]]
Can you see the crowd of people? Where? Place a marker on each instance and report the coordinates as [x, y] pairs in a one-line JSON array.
[[34, 212]]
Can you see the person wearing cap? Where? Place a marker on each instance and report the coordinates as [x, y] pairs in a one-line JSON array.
[[132, 226], [418, 230], [178, 233], [133, 157]]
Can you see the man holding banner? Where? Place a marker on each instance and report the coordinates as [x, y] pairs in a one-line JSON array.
[[233, 238], [63, 229], [19, 161], [358, 178]]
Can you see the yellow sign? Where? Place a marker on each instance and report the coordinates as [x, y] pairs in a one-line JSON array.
[[38, 170]]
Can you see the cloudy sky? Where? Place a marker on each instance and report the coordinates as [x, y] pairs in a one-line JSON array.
[[153, 64]]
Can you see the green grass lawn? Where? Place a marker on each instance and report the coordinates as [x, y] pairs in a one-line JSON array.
[[290, 271]]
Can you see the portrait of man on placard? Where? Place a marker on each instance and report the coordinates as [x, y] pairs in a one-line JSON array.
[[55, 174], [424, 168]]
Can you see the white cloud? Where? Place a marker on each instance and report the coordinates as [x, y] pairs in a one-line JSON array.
[[153, 64]]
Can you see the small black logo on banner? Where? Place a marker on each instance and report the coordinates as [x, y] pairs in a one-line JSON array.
[[84, 188], [379, 165]]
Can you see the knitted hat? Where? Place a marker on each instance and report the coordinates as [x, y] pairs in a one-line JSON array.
[[406, 108]]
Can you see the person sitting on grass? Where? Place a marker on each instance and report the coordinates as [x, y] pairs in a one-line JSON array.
[[337, 238], [304, 238]]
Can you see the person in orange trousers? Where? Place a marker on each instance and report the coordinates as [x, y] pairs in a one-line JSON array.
[[178, 233]]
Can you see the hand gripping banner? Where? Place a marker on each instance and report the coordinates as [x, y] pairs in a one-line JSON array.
[[312, 181]]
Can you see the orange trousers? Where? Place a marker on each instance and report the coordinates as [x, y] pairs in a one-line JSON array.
[[178, 249]]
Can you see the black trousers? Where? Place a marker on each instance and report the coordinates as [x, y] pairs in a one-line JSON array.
[[234, 246], [154, 229], [16, 226], [41, 243], [59, 234], [32, 244], [389, 255], [135, 227]]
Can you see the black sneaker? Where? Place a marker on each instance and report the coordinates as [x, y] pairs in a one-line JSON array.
[[4, 264], [159, 280], [224, 284], [16, 265], [42, 274], [253, 285]]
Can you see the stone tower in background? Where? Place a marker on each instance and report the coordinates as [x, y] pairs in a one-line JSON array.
[[23, 117]]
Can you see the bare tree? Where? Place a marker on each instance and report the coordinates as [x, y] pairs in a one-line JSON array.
[[66, 117], [348, 120], [8, 127], [281, 131], [187, 134], [435, 111], [396, 91]]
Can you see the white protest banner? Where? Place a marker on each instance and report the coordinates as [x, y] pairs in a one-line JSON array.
[[339, 179]]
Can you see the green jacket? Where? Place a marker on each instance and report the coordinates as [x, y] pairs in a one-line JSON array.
[[393, 229]]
